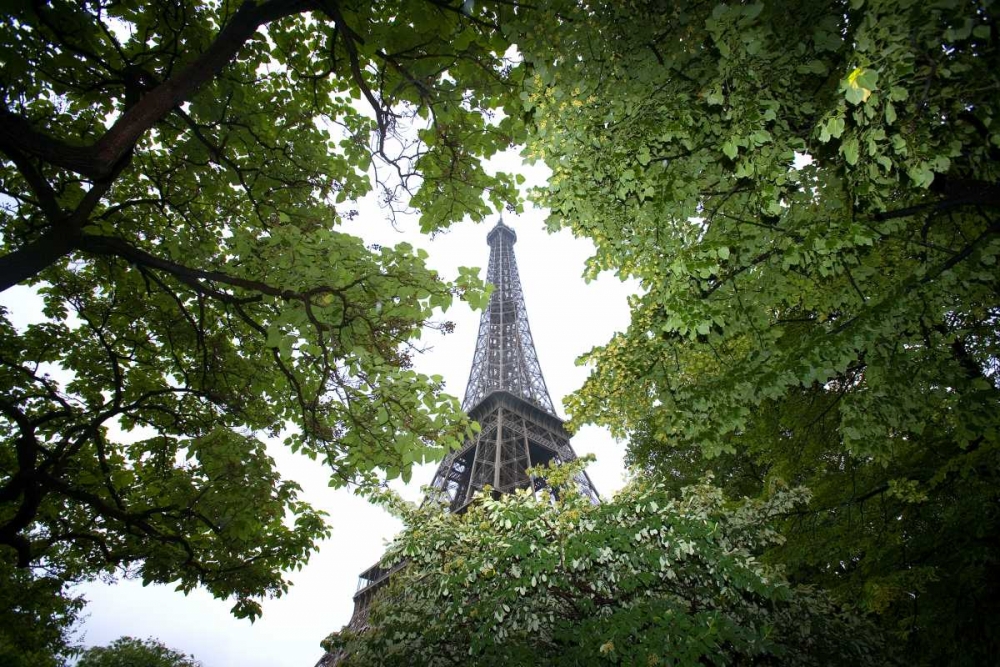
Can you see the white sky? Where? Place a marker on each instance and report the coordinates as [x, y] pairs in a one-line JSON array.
[[567, 317]]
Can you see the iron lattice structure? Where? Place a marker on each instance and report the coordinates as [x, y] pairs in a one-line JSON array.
[[505, 357], [507, 395]]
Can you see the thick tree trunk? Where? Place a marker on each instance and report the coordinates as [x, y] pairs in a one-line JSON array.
[[27, 262]]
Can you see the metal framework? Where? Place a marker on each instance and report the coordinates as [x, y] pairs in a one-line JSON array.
[[507, 395], [514, 436], [505, 358]]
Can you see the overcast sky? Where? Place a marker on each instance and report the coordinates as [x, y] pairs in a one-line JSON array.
[[567, 317]]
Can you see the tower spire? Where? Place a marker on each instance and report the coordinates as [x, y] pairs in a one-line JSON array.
[[505, 357]]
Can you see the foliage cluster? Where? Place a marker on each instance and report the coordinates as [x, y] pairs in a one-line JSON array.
[[172, 176], [645, 578], [130, 652], [36, 613], [808, 193]]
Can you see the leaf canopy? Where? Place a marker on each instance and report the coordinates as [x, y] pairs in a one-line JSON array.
[[172, 180], [808, 193]]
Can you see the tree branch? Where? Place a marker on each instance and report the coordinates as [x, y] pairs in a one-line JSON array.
[[30, 259], [109, 245], [160, 101], [960, 192], [99, 160], [17, 135], [44, 194], [350, 37]]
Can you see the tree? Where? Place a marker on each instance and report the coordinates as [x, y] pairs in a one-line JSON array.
[[172, 178], [37, 615], [808, 194], [129, 652], [642, 579]]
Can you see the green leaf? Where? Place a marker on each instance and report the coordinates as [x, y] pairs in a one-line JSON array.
[[834, 325], [487, 580], [850, 150], [890, 113]]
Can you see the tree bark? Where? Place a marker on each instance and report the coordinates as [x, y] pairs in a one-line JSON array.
[[28, 261], [18, 135]]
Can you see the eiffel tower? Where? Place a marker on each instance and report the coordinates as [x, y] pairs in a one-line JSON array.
[[506, 394]]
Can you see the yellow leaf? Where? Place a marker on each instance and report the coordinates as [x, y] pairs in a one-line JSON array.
[[852, 81], [607, 648]]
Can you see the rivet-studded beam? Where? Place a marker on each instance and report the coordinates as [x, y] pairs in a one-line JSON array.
[[505, 358]]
